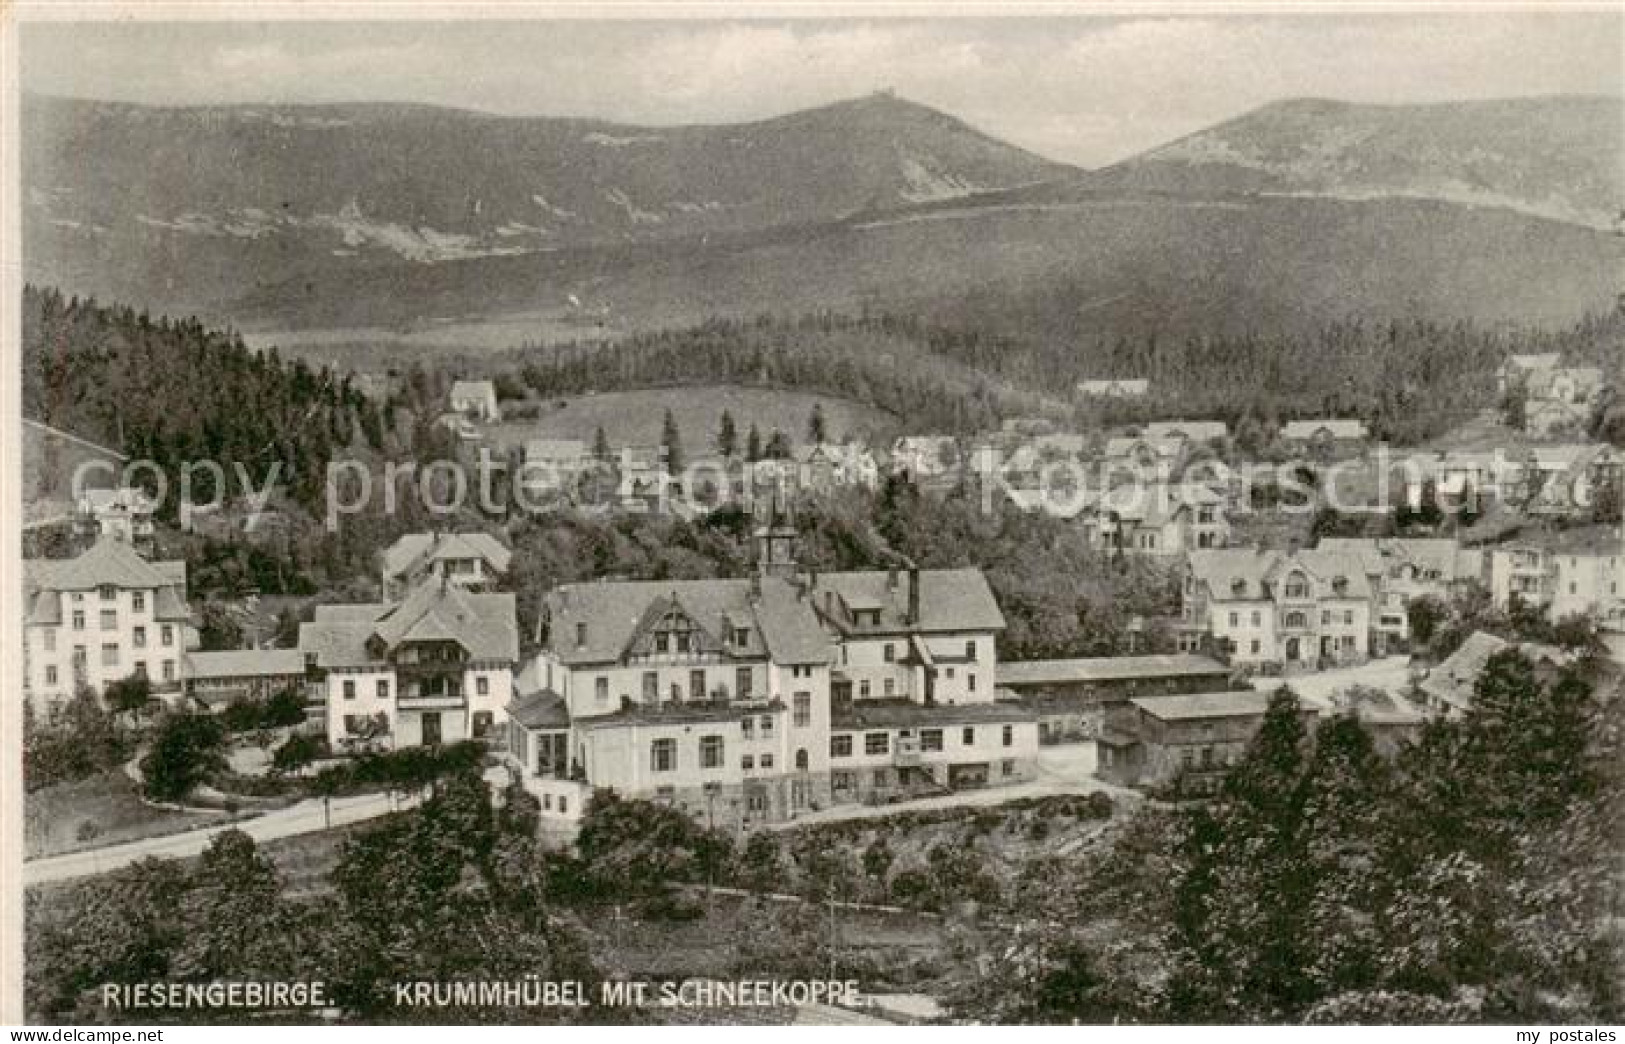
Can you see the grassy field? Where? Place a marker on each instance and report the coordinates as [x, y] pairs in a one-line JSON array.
[[101, 810], [634, 417]]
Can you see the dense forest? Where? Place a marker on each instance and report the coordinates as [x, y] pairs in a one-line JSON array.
[[1409, 380], [1470, 876], [172, 390]]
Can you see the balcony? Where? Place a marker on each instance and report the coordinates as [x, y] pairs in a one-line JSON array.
[[430, 694]]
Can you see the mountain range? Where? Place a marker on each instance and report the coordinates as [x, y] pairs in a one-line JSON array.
[[387, 217]]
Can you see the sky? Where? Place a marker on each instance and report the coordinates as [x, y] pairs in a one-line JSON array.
[[1087, 90]]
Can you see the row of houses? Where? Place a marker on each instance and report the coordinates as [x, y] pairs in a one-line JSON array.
[[1346, 600], [1560, 480]]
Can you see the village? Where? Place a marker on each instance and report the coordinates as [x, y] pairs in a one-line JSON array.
[[763, 698]]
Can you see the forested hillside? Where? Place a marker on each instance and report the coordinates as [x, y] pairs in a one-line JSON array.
[[173, 391], [1408, 380]]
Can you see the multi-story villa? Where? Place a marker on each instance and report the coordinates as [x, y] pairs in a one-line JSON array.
[[472, 560], [1272, 609], [1521, 570], [435, 667], [755, 699], [1401, 570], [100, 618]]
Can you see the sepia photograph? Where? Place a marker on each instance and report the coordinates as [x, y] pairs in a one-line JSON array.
[[690, 515]]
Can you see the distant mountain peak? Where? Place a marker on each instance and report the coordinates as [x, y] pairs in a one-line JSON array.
[[1554, 156]]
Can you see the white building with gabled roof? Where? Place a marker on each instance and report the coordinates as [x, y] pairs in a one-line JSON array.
[[102, 617]]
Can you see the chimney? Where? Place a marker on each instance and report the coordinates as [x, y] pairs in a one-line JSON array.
[[913, 595]]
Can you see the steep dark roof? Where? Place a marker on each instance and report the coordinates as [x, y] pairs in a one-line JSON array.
[[781, 624], [951, 600], [483, 624]]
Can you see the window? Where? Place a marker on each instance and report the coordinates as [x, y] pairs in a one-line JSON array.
[[890, 653], [482, 722], [109, 654], [138, 601], [968, 736], [711, 752], [970, 682], [767, 761], [600, 690], [1009, 737], [166, 634], [743, 681], [352, 723], [1255, 646], [349, 688], [840, 746], [1348, 618], [696, 685], [1007, 768], [139, 638], [383, 688], [651, 687], [1188, 757], [876, 742], [663, 755], [482, 685], [662, 642], [50, 639], [747, 763], [741, 636], [863, 689], [50, 674], [930, 739], [1258, 618], [581, 635], [747, 726], [1296, 620], [802, 714], [1235, 619], [802, 760], [108, 593], [1325, 617], [767, 725], [78, 657], [1207, 757], [890, 686], [1297, 586], [564, 805], [547, 802], [970, 649]]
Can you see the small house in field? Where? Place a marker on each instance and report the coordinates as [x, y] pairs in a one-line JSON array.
[[476, 400]]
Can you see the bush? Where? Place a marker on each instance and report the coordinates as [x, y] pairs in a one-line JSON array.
[[297, 751], [188, 749], [672, 906]]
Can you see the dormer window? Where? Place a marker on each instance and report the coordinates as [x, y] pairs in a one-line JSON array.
[[1238, 586], [741, 636], [581, 635], [1340, 585], [1297, 586], [108, 593]]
